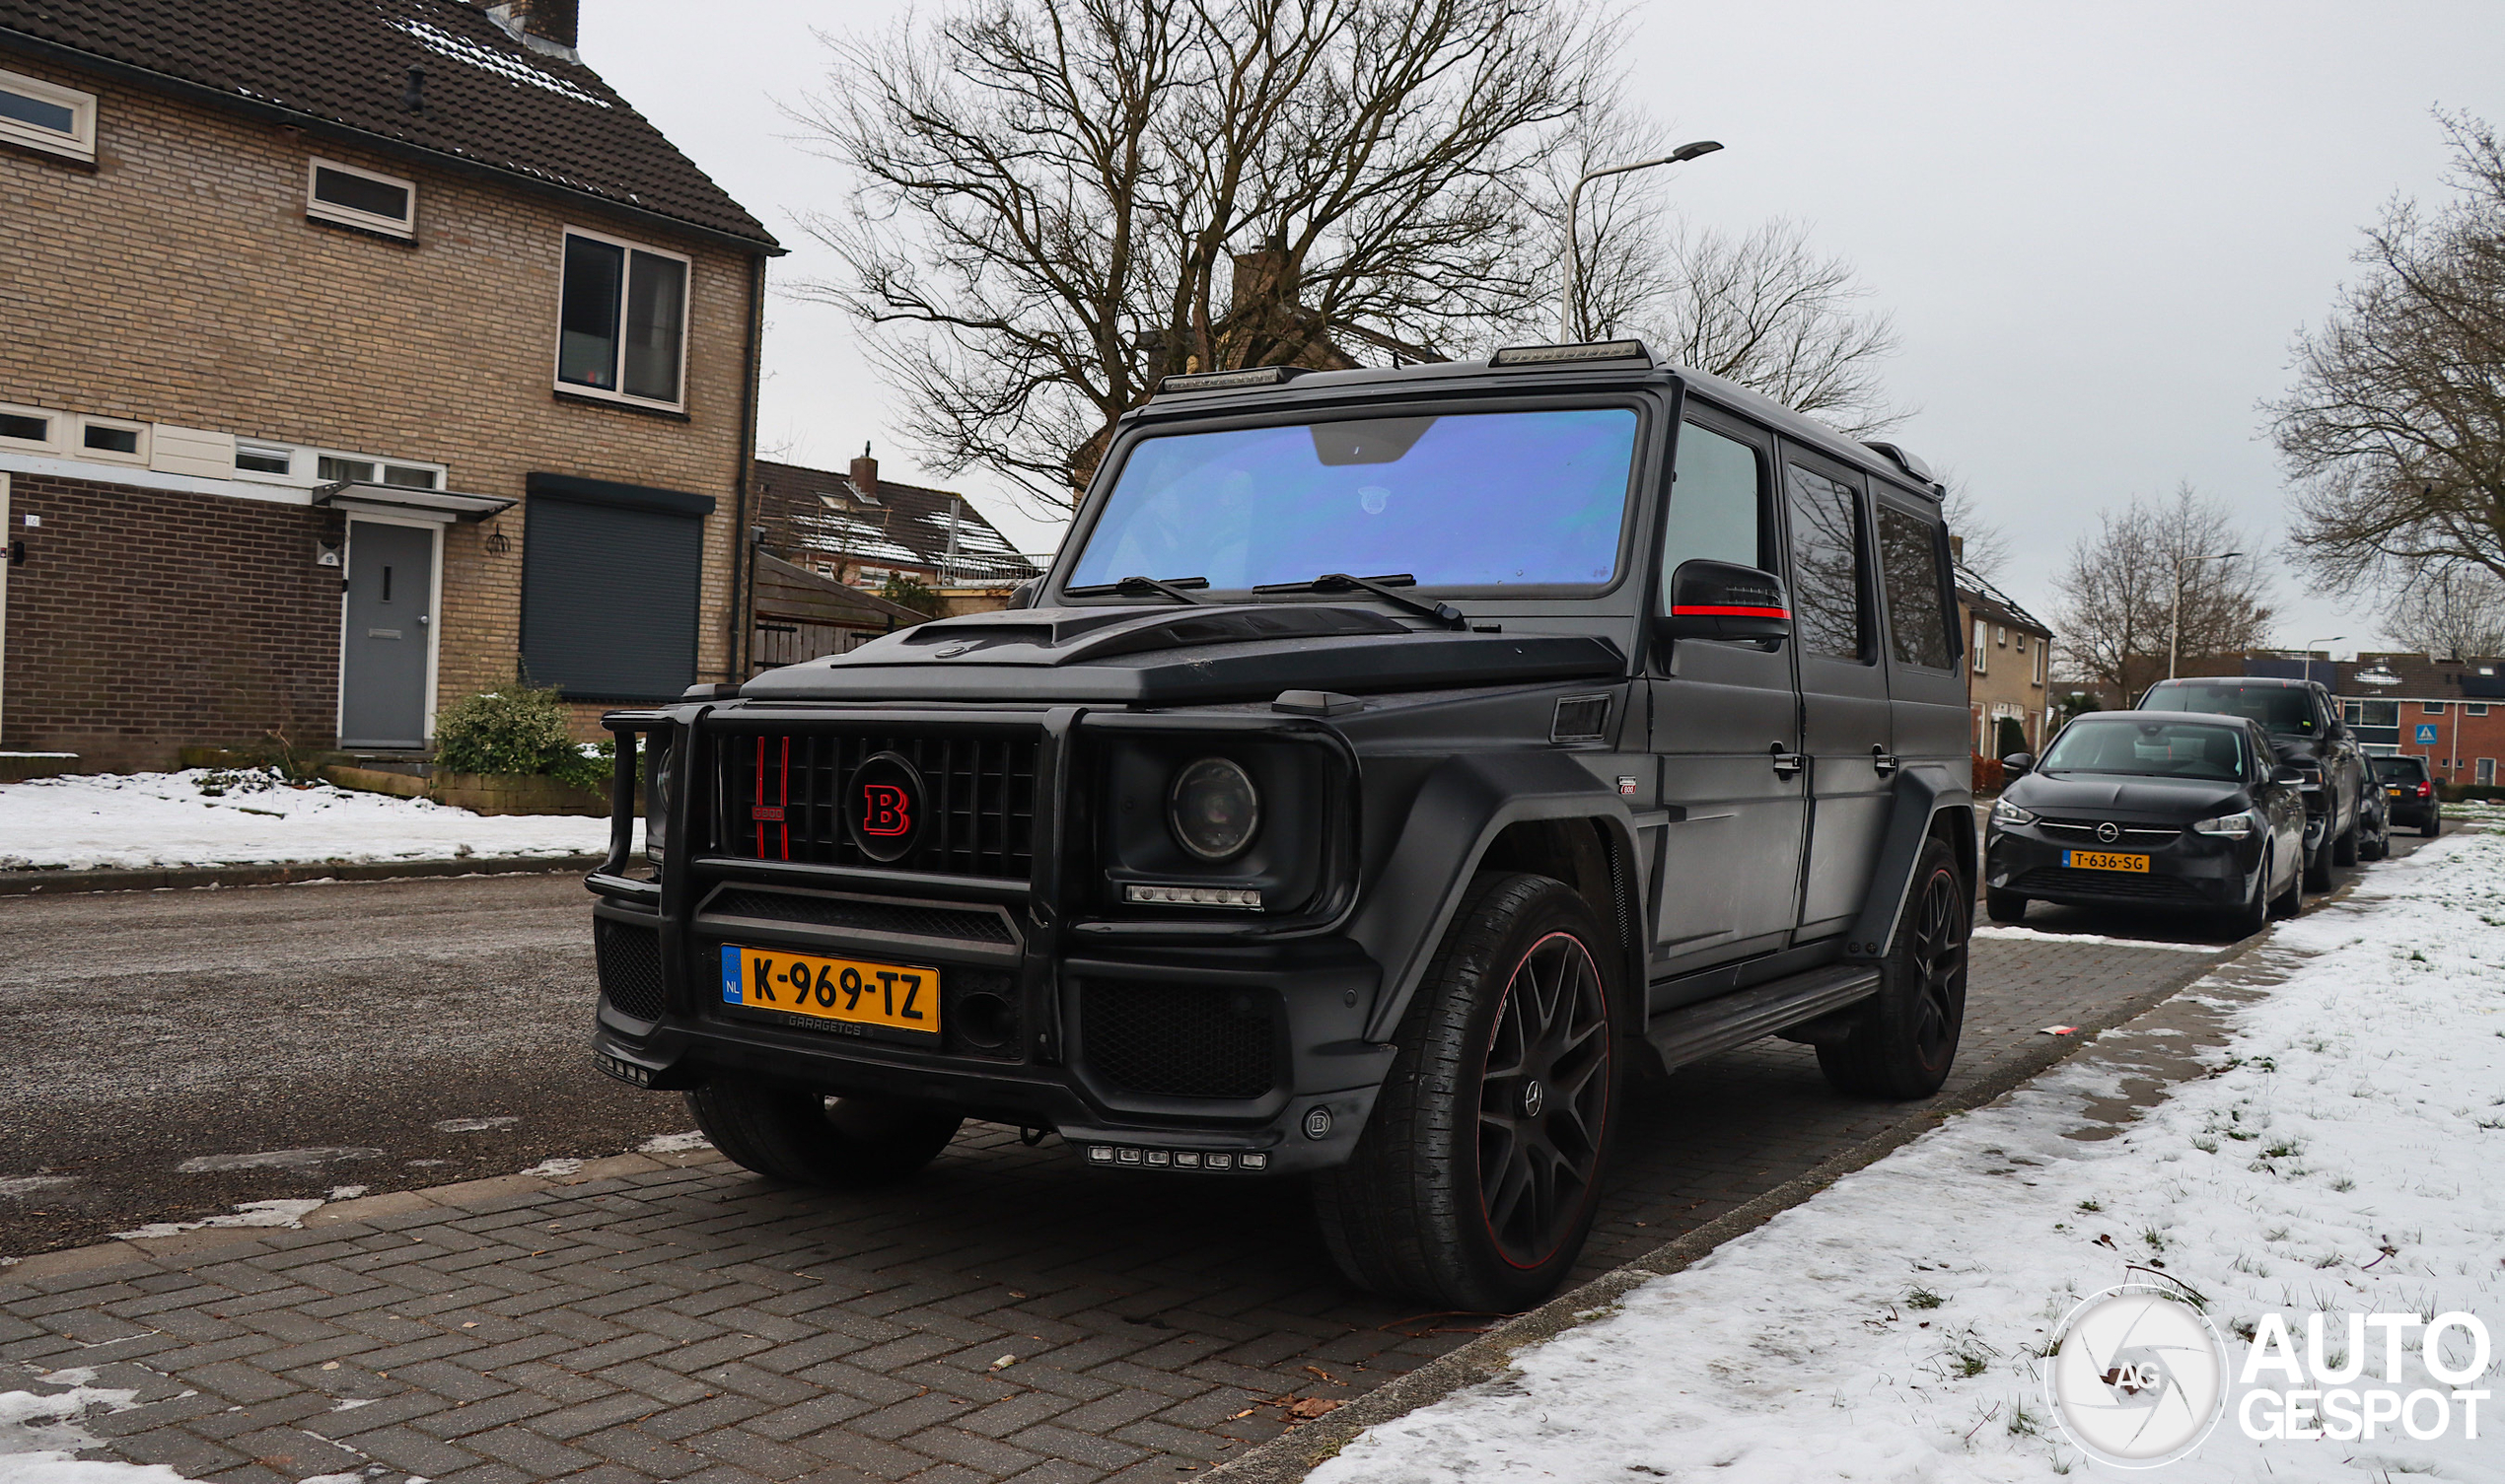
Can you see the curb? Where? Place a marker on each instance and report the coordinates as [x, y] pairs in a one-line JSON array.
[[165, 878], [181, 1246], [1292, 1455]]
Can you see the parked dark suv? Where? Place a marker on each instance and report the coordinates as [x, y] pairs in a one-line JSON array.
[[2410, 793], [1390, 762], [2303, 724]]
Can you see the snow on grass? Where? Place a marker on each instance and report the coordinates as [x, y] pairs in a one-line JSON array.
[[673, 1144], [2341, 1157], [204, 817]]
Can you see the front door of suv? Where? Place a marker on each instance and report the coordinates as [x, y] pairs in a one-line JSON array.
[[1726, 723], [1847, 728]]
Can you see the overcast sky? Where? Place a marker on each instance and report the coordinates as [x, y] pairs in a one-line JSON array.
[[2098, 225]]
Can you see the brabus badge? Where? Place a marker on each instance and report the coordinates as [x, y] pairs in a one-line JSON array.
[[883, 806]]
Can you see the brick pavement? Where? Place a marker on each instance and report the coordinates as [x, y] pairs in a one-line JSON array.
[[697, 1324]]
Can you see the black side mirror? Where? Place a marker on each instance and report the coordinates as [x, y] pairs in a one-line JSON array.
[[2287, 777], [2017, 764], [1725, 601]]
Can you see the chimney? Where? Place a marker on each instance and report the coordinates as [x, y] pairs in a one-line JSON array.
[[1957, 548], [865, 474], [548, 22]]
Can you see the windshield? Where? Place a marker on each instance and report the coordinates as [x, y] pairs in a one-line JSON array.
[[2152, 749], [1481, 499], [2284, 709], [2399, 770]]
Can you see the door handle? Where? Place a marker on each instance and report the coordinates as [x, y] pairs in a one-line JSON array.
[[1786, 763], [1881, 761]]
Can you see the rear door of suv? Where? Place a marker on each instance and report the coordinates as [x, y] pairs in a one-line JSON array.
[[1847, 728], [1926, 691]]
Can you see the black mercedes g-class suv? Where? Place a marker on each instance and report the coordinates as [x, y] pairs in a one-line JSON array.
[[1390, 762]]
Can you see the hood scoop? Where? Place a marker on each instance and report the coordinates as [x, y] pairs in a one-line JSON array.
[[1078, 636]]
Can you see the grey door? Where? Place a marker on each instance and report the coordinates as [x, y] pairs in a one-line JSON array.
[[1845, 726], [1726, 725], [1926, 691], [383, 674]]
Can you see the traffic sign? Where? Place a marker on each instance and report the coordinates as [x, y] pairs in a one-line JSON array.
[[2426, 732]]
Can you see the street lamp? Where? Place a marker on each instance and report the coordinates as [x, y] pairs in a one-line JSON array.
[[2309, 654], [1566, 331], [2175, 628]]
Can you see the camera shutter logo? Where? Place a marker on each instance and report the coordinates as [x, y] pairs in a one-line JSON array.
[[883, 805], [2138, 1377]]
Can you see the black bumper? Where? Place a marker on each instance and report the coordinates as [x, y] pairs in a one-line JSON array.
[[2202, 873], [1140, 1057]]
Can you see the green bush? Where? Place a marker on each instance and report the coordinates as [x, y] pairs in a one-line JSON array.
[[517, 729], [907, 591]]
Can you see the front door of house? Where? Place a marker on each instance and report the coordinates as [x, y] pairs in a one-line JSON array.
[[384, 655]]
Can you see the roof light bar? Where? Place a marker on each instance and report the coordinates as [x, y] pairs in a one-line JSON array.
[[1223, 380], [1590, 350]]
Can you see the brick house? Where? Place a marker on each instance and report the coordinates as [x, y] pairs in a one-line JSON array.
[[2008, 654], [2450, 712], [361, 354], [860, 530]]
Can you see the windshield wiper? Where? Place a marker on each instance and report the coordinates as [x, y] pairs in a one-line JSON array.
[[1380, 586], [1144, 587]]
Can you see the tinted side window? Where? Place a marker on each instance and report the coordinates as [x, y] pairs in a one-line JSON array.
[[1716, 504], [1826, 585], [1909, 564]]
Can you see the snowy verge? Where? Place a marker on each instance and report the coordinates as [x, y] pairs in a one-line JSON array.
[[40, 1434], [205, 818], [2339, 1157]]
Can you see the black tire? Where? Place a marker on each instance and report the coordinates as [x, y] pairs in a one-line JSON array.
[[805, 1138], [2432, 828], [2291, 901], [2375, 845], [2318, 869], [2003, 907], [2345, 844], [1475, 1181], [2254, 915], [1905, 1040]]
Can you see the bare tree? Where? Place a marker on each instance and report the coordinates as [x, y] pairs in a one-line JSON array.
[[2451, 612], [2396, 427], [1065, 200], [2118, 595]]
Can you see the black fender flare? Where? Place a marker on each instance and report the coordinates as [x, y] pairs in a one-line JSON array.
[[1460, 809], [1923, 793]]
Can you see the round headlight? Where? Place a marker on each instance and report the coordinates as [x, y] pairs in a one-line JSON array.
[[1214, 808]]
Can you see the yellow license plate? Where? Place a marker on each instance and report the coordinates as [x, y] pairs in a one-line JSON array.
[[2103, 860], [2395, 792], [854, 994]]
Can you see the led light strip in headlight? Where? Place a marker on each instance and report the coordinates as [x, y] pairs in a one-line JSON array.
[[1191, 897]]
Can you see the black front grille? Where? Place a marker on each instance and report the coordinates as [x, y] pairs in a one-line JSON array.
[[2130, 884], [908, 918], [979, 813], [1169, 1042], [630, 968]]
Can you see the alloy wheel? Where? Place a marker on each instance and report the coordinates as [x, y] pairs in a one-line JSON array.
[[1543, 1101], [1939, 955]]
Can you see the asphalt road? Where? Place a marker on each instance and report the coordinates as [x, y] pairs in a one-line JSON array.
[[174, 1053]]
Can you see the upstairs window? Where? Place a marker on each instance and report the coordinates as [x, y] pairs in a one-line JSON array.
[[264, 457], [47, 116], [353, 197], [110, 438], [621, 321], [30, 428]]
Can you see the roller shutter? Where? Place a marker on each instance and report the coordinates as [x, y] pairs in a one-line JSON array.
[[611, 582]]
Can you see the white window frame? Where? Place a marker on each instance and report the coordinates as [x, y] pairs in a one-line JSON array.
[[1983, 632], [53, 423], [2039, 661], [78, 144], [83, 449], [349, 216], [310, 460], [2474, 708], [686, 315]]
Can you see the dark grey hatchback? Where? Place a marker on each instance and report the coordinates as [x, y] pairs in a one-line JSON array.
[[2152, 808]]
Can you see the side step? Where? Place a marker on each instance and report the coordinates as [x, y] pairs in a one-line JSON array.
[[1693, 1033]]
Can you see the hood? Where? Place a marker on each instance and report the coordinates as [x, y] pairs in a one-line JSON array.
[[1169, 655], [2112, 796]]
